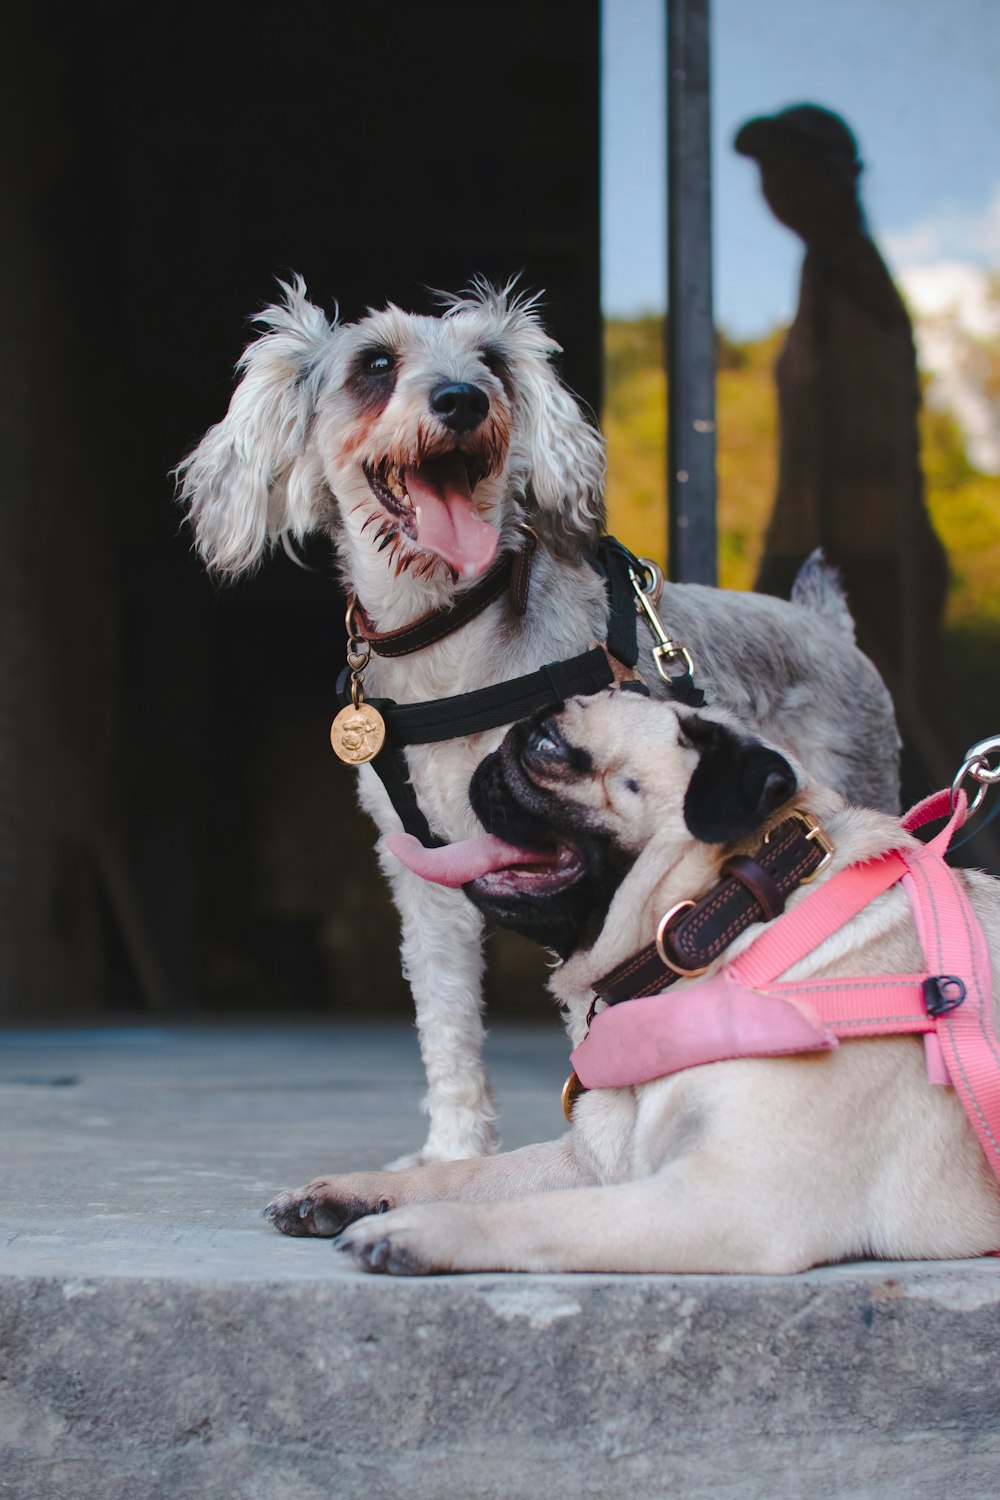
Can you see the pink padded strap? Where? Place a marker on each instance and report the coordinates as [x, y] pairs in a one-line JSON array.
[[713, 1020], [840, 898], [802, 929], [956, 945], [875, 1005]]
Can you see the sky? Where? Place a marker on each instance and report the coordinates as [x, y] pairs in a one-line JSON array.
[[917, 80]]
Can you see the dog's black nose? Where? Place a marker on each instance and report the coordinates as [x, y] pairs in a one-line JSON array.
[[459, 405]]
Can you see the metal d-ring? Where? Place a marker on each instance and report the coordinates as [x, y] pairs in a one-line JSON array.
[[654, 573], [977, 765], [661, 947]]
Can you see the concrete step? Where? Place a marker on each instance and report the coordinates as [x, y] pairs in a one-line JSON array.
[[158, 1341]]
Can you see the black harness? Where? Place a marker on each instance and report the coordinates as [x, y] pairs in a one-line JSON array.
[[452, 718]]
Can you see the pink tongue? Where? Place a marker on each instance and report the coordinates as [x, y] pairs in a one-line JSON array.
[[457, 864], [448, 523]]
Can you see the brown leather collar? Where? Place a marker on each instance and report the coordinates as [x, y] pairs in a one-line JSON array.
[[512, 574], [694, 933]]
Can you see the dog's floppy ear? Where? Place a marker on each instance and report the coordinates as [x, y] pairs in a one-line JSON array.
[[252, 477], [560, 454], [736, 783]]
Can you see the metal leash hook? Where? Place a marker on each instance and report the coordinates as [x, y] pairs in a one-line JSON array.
[[672, 658], [977, 766]]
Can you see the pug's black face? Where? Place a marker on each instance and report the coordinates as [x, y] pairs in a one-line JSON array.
[[582, 788], [515, 793]]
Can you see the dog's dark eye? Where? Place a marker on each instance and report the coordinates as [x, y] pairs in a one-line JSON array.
[[378, 362], [544, 745], [631, 785], [497, 365]]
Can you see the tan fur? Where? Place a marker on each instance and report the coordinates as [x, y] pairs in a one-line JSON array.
[[763, 1165]]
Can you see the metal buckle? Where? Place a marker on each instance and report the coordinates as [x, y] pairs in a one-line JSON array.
[[661, 933], [816, 833]]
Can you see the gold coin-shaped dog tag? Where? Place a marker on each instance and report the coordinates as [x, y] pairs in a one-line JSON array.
[[357, 734]]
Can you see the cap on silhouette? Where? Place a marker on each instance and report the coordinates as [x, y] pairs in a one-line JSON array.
[[802, 130]]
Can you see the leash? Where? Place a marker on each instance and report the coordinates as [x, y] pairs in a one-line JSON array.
[[378, 730]]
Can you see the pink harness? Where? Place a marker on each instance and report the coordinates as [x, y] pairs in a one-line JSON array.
[[745, 1010]]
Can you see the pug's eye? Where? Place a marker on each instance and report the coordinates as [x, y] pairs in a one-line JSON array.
[[545, 744]]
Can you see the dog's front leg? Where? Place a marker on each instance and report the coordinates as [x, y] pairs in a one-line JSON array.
[[327, 1205], [660, 1224], [443, 961]]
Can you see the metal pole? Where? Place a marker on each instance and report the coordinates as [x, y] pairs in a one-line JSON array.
[[691, 335]]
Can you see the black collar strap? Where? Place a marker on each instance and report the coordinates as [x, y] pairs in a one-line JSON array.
[[500, 703], [471, 713], [511, 575], [695, 933], [503, 702]]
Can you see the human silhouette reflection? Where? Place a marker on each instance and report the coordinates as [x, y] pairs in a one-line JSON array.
[[848, 401]]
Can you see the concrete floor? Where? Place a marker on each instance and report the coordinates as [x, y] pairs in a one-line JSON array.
[[138, 1152], [157, 1339]]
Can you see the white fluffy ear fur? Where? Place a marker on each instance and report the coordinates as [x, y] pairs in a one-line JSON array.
[[564, 460], [253, 477]]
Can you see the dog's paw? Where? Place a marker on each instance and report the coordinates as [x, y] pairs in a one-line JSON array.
[[411, 1241], [323, 1207]]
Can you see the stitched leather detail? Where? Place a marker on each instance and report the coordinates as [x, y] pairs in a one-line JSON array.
[[759, 882], [701, 933]]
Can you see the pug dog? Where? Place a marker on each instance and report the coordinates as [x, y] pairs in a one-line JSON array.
[[601, 817]]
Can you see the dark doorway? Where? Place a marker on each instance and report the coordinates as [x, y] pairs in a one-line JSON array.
[[173, 808]]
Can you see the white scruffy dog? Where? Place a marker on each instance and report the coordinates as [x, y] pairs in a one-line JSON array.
[[422, 445]]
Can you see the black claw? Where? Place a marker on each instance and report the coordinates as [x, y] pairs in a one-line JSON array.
[[305, 1208], [378, 1256], [284, 1217]]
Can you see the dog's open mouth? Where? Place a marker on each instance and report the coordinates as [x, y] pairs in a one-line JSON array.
[[431, 504], [493, 868]]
